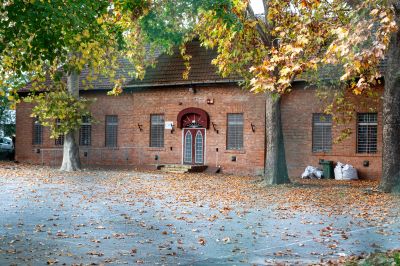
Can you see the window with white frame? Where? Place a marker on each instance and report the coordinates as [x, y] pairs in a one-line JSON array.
[[157, 130], [367, 132], [199, 147], [111, 130], [85, 132], [322, 133], [234, 132], [60, 139], [37, 133]]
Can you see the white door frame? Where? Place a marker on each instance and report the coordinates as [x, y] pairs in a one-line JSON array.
[[204, 144]]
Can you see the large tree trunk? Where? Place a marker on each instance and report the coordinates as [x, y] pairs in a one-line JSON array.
[[71, 160], [390, 181], [275, 161]]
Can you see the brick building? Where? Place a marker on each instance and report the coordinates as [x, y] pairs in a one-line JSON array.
[[204, 120]]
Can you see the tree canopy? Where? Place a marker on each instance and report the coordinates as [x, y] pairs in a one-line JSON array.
[[44, 40]]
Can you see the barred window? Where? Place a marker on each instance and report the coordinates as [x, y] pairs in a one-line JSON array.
[[37, 136], [85, 132], [157, 131], [235, 132], [367, 132], [322, 133], [60, 139], [111, 130]]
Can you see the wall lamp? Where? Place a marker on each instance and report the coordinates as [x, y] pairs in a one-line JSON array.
[[215, 127], [253, 127]]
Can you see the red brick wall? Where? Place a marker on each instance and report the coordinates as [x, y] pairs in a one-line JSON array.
[[134, 108], [297, 109], [133, 145]]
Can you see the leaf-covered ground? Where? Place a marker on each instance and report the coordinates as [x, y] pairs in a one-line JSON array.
[[130, 217]]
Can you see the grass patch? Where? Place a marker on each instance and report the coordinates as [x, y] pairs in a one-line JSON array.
[[390, 258]]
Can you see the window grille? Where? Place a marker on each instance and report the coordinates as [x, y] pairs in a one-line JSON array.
[[367, 132], [37, 138], [111, 130], [188, 147], [235, 132], [60, 139], [157, 131], [199, 147], [322, 133], [85, 132]]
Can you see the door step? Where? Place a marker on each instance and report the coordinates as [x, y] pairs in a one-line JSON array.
[[182, 168]]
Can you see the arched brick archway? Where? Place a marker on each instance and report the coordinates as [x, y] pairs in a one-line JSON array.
[[193, 117]]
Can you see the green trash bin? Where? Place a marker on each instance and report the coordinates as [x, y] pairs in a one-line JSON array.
[[327, 167]]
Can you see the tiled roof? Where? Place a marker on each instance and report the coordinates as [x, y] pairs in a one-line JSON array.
[[124, 70], [100, 83], [170, 68]]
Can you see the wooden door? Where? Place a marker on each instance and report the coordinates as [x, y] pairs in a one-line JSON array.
[[193, 146]]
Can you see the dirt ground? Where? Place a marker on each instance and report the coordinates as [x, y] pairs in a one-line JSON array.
[[127, 217]]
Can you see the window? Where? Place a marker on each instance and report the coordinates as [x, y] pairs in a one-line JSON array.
[[367, 131], [199, 147], [235, 132], [111, 130], [157, 131], [322, 133], [188, 147], [85, 132], [60, 139], [37, 138]]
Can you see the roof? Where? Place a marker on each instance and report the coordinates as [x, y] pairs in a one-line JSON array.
[[170, 68], [124, 70], [168, 71], [100, 83]]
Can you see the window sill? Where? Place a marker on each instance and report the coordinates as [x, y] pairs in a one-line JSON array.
[[235, 151], [366, 154], [156, 149], [111, 148], [322, 153]]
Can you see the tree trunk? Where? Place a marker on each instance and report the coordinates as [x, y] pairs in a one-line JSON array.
[[71, 160], [390, 181], [275, 162]]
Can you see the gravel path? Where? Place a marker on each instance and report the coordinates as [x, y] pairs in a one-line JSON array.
[[128, 217]]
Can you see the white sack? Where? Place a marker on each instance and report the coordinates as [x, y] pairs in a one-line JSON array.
[[312, 172], [345, 172]]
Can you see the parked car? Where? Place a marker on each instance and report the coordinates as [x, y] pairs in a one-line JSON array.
[[6, 147]]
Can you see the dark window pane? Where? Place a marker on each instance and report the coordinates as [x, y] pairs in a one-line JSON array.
[[157, 131], [85, 132], [235, 132], [111, 130], [322, 133], [37, 138], [60, 139], [367, 132]]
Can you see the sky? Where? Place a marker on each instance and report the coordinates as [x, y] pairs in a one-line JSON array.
[[257, 6]]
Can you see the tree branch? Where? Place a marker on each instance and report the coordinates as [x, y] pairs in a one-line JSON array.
[[263, 35], [396, 7]]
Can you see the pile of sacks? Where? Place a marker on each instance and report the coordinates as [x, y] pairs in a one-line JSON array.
[[342, 172], [345, 172], [312, 172]]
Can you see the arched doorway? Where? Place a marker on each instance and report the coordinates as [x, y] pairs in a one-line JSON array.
[[194, 122]]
